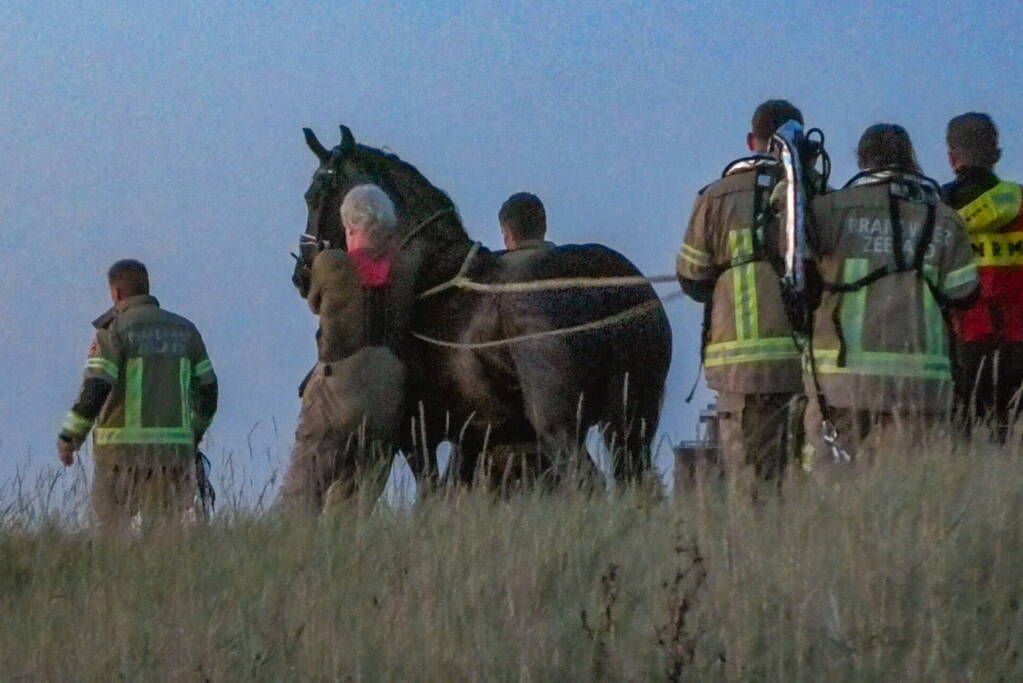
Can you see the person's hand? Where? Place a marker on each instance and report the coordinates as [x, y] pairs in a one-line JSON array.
[[65, 450]]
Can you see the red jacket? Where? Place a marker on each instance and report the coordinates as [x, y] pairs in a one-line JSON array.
[[993, 215]]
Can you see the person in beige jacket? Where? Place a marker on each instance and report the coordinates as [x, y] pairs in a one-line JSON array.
[[729, 262], [353, 400], [892, 261]]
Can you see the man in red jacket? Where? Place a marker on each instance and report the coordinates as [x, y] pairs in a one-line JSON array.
[[989, 335]]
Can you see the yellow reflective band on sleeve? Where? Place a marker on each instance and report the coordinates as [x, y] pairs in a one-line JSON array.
[[185, 385], [960, 277], [203, 367], [103, 365], [133, 394], [76, 425], [144, 435], [993, 209], [744, 286], [906, 365], [698, 258], [854, 305], [751, 351], [998, 249]]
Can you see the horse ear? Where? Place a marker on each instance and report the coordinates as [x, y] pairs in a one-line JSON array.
[[347, 139], [318, 149]]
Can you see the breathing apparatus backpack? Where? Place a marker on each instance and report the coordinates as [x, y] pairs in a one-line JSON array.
[[800, 152]]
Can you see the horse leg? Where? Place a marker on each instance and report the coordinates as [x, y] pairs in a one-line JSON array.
[[424, 436], [466, 456], [554, 406], [360, 478], [629, 423]]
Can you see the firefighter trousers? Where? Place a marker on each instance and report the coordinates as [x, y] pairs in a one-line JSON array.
[[143, 485], [761, 431], [344, 440]]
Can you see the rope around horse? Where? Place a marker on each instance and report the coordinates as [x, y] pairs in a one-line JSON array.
[[460, 281], [617, 318]]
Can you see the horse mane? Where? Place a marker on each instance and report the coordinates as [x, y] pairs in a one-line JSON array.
[[415, 197]]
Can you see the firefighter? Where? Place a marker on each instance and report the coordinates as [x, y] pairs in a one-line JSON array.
[[989, 335], [892, 260], [728, 262], [353, 400], [150, 389]]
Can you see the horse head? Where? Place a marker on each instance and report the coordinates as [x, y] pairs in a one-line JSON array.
[[415, 198], [327, 188]]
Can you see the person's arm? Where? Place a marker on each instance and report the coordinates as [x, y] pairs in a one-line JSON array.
[[79, 421], [695, 262], [959, 282], [205, 407], [323, 277], [206, 390], [101, 375]]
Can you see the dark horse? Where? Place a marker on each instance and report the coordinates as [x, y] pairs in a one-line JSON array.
[[546, 390]]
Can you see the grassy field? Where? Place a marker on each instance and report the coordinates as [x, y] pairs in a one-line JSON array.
[[908, 568]]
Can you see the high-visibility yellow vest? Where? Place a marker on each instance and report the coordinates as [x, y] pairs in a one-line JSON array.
[[985, 216]]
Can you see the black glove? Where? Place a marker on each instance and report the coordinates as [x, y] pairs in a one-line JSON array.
[[304, 382], [302, 278]]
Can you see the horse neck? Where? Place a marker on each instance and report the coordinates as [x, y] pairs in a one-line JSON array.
[[429, 220], [417, 199], [442, 247]]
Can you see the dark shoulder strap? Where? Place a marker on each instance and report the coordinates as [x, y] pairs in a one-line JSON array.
[[375, 316], [897, 192]]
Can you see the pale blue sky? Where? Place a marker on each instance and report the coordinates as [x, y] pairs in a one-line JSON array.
[[170, 132]]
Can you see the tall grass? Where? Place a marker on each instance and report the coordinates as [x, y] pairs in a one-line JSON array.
[[909, 568]]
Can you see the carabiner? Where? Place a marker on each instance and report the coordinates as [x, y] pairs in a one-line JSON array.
[[831, 438]]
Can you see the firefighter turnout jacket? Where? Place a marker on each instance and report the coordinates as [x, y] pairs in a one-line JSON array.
[[726, 261], [991, 210], [893, 258], [148, 382], [364, 303], [361, 300]]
